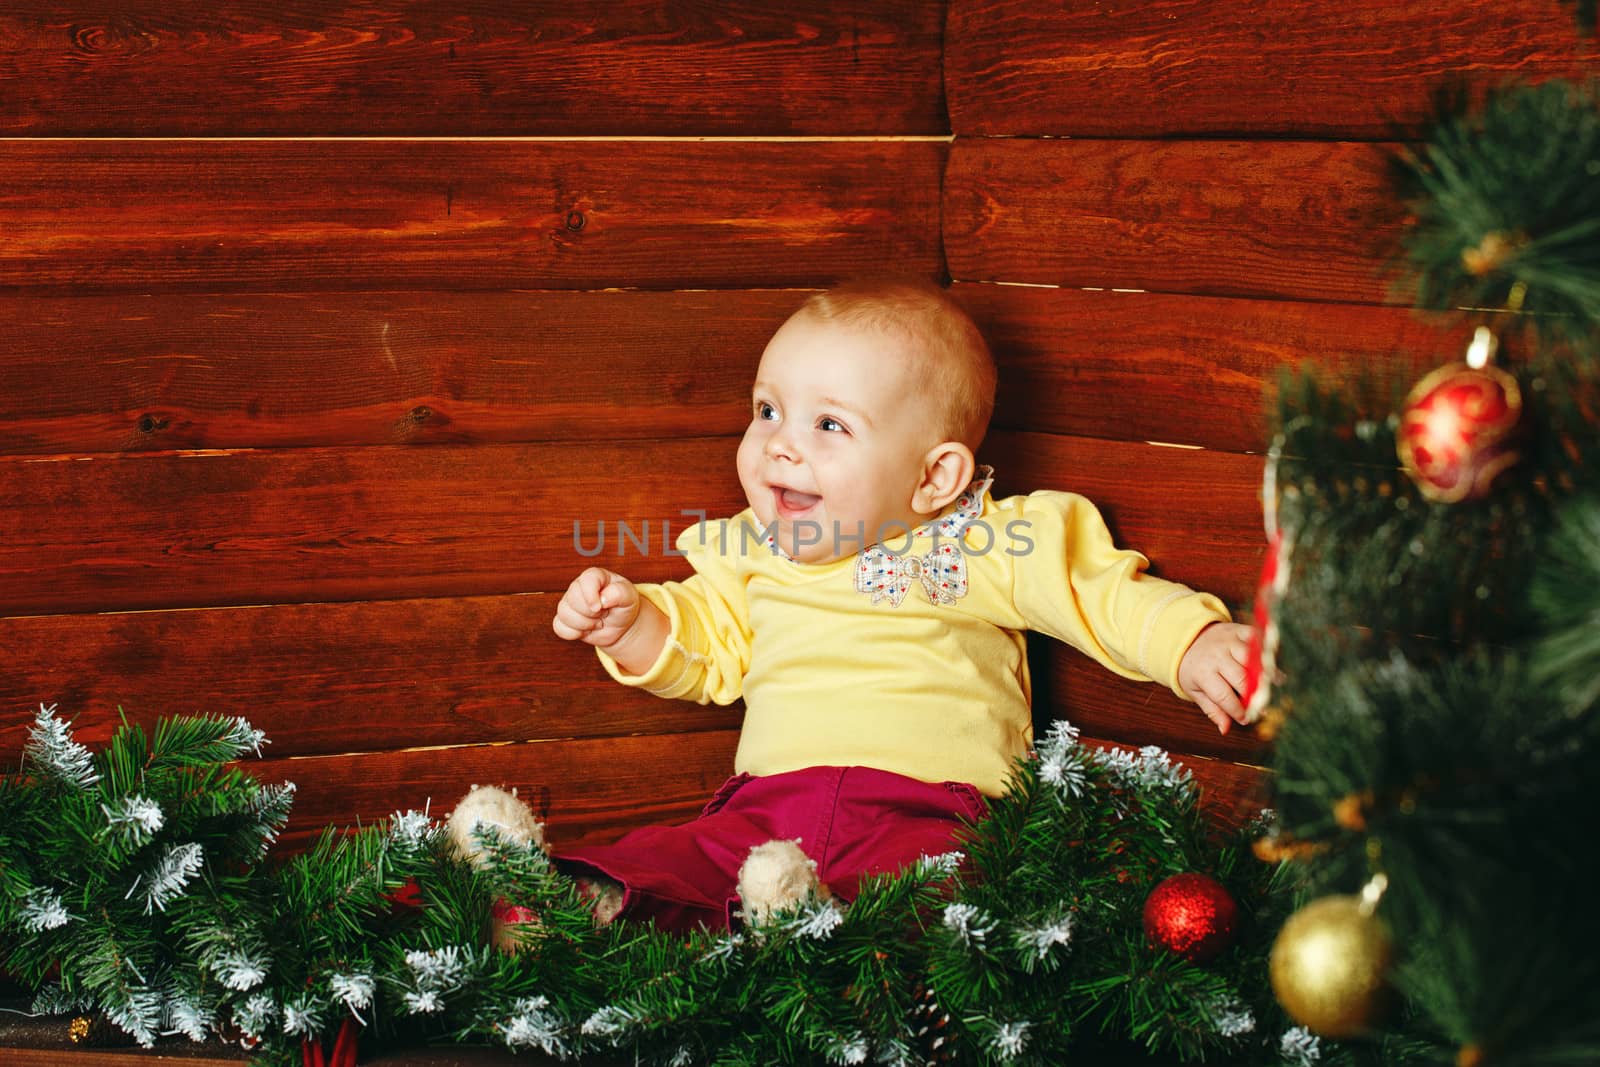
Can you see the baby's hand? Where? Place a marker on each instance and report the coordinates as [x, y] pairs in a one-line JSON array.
[[598, 609], [1212, 672]]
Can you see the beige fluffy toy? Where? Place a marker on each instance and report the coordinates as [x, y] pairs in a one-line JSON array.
[[487, 805], [493, 806], [776, 875]]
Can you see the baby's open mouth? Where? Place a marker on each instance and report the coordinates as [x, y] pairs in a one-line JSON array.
[[792, 502]]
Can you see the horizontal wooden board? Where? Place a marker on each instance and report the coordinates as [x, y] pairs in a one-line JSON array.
[[331, 678], [1231, 794], [98, 216], [149, 372], [43, 1042], [1368, 69], [219, 528], [1295, 219], [321, 679], [586, 790], [214, 528], [144, 68], [1184, 369], [1195, 513]]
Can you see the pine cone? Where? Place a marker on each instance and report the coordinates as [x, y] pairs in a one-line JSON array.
[[930, 1028]]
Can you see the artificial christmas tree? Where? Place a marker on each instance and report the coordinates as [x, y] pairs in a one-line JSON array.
[[1437, 660]]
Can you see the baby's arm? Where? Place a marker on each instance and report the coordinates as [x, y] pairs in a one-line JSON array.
[[1212, 672], [604, 609]]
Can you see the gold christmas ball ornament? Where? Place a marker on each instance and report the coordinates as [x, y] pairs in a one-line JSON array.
[[1330, 966]]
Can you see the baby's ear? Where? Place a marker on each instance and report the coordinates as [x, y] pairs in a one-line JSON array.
[[946, 472]]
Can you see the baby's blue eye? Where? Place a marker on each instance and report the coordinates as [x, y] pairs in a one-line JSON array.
[[766, 411], [828, 424]]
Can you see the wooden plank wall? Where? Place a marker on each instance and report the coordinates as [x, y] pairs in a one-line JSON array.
[[325, 325], [1152, 207]]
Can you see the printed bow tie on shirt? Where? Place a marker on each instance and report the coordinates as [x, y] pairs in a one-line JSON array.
[[942, 571]]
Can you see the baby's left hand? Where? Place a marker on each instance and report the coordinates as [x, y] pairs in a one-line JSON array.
[[1212, 672]]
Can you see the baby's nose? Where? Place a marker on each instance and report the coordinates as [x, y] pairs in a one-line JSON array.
[[780, 447]]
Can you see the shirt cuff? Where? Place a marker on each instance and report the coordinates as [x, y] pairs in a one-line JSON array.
[[1175, 627], [664, 676]]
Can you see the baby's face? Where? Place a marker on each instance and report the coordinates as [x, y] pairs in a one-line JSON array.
[[836, 440]]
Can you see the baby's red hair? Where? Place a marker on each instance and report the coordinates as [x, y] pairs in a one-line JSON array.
[[952, 360]]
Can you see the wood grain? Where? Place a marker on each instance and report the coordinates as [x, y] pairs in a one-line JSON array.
[[15, 1051], [1184, 369], [1196, 514], [1281, 219], [213, 528], [588, 790], [321, 679], [586, 67], [331, 678], [139, 372], [148, 372], [1137, 713], [1231, 794], [319, 690], [304, 215], [221, 528], [1368, 69]]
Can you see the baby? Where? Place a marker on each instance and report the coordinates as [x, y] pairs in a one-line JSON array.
[[870, 607]]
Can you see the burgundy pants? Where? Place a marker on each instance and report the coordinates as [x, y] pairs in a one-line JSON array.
[[854, 821]]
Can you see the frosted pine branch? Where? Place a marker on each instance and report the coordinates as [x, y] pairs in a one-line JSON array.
[[970, 923], [533, 1025], [43, 909], [1009, 1040], [945, 865], [609, 1022], [1230, 1017], [245, 738], [354, 990], [255, 1015], [848, 1052], [239, 970], [185, 1016], [51, 748], [164, 882], [1040, 939], [302, 1017], [817, 919], [138, 1015], [137, 818], [1300, 1047], [411, 830], [54, 999], [1062, 763]]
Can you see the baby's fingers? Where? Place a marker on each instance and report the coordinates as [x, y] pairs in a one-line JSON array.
[[590, 588], [1219, 718], [571, 621]]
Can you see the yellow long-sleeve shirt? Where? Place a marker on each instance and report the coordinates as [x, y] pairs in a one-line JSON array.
[[864, 662]]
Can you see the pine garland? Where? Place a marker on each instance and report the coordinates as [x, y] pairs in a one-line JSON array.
[[140, 880]]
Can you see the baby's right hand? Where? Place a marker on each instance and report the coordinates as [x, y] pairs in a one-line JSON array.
[[599, 608]]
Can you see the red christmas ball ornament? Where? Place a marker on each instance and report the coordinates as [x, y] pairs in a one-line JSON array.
[[1459, 428], [1191, 915]]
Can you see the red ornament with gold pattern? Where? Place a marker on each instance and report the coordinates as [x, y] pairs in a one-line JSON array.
[[1459, 429]]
